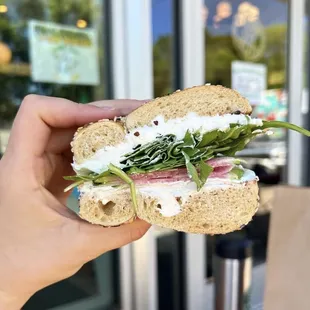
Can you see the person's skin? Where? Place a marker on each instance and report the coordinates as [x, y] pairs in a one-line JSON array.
[[41, 240]]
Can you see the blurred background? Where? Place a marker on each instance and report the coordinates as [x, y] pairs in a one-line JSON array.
[[87, 50]]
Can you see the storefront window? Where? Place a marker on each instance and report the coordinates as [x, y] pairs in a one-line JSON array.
[[246, 45], [33, 60], [250, 31], [55, 48], [162, 23]]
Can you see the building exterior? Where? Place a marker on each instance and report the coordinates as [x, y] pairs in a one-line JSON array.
[[103, 49]]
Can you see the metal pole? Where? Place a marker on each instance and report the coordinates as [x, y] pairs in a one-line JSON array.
[[132, 74], [193, 73], [306, 98], [233, 274], [295, 71]]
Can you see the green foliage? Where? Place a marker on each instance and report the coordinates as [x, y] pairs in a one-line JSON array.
[[162, 57], [77, 9], [220, 52]]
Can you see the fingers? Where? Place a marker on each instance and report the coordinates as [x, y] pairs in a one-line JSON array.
[[61, 138], [101, 239], [124, 107], [38, 115]]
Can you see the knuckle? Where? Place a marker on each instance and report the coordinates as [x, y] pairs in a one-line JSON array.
[[30, 100]]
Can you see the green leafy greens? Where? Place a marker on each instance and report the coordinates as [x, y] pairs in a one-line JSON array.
[[122, 175], [166, 152]]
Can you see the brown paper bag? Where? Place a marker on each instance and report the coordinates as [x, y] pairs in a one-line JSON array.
[[288, 263]]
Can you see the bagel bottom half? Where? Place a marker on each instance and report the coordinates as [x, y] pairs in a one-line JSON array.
[[212, 210]]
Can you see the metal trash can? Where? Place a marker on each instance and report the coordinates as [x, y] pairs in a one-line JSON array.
[[233, 274]]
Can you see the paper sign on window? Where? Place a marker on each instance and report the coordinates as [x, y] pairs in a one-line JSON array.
[[63, 54]]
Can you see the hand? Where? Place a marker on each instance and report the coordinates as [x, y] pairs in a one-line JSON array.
[[41, 240]]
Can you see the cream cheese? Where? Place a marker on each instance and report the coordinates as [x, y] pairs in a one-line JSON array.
[[169, 195], [178, 127]]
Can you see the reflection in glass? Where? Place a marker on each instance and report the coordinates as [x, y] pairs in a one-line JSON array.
[[243, 38], [15, 70], [247, 31], [96, 281], [162, 46]]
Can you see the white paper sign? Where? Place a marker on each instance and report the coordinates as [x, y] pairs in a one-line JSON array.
[[63, 54], [249, 79]]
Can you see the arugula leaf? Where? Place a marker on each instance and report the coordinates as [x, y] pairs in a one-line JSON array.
[[237, 145], [135, 170], [221, 149], [189, 140], [234, 133], [78, 178], [174, 149], [106, 180], [192, 152], [192, 172], [122, 175], [286, 125], [237, 172], [207, 138], [73, 178], [110, 177], [105, 173], [205, 171], [238, 161], [73, 185]]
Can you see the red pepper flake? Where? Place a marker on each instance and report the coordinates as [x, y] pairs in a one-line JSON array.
[[156, 123], [137, 134]]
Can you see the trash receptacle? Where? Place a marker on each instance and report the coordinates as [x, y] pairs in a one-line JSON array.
[[232, 274]]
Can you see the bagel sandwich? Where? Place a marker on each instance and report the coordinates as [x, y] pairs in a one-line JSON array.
[[171, 162]]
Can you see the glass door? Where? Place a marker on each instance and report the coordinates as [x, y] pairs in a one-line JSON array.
[[246, 49], [169, 243]]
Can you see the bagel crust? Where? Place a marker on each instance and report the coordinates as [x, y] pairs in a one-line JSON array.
[[206, 100], [213, 210]]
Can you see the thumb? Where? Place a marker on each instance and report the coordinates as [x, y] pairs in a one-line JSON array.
[[98, 239]]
